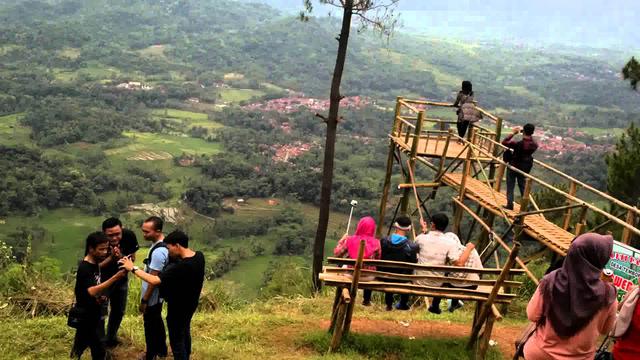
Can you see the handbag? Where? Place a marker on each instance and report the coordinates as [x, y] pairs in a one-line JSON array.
[[602, 353], [523, 338], [625, 313], [77, 316]]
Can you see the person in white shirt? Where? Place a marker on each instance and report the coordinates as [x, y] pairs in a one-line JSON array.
[[436, 248]]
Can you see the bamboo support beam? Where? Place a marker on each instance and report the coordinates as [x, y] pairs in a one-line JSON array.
[[338, 271], [544, 211], [396, 116], [419, 267], [626, 234], [485, 310], [353, 292], [346, 297], [573, 187], [499, 240], [419, 185], [412, 162], [385, 188], [582, 222]]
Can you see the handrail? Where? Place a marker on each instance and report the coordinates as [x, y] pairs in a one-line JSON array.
[[549, 186], [578, 182]]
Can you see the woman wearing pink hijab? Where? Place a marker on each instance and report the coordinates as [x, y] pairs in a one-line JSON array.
[[348, 246], [573, 305]]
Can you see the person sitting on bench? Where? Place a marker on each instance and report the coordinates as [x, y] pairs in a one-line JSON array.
[[349, 246], [397, 247], [473, 261], [438, 249]]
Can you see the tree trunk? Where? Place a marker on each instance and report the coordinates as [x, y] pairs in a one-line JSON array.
[[330, 145]]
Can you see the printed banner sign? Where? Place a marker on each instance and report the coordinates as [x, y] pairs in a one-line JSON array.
[[625, 264]]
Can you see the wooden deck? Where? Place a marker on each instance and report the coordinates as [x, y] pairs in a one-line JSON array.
[[433, 146], [536, 226]]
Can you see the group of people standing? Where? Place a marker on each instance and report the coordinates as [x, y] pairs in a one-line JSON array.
[[172, 273], [434, 246]]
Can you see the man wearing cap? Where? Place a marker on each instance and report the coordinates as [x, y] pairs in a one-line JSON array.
[[397, 247]]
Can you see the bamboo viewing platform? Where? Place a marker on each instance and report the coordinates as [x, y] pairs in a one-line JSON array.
[[474, 169]]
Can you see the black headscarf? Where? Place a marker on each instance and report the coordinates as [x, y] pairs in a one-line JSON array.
[[573, 294]]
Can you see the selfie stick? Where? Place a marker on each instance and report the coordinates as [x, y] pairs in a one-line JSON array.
[[353, 204]]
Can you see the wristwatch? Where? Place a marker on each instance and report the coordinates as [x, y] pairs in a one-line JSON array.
[[135, 268]]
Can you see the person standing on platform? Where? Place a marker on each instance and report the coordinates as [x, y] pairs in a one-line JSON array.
[[467, 112], [520, 157]]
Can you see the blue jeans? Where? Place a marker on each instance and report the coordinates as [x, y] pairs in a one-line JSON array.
[[512, 178]]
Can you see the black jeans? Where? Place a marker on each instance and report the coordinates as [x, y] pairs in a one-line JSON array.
[[404, 300], [454, 302], [462, 128], [154, 334], [179, 325], [88, 336], [117, 305], [512, 178], [367, 295]]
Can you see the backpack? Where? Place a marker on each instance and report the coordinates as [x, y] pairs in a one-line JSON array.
[[147, 261], [468, 111]]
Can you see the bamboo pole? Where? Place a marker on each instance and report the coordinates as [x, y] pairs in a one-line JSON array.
[[415, 193], [499, 240], [354, 287], [573, 187], [419, 185], [412, 161], [582, 222], [485, 310], [626, 234], [544, 211], [524, 202], [419, 267], [485, 337], [396, 117], [385, 188], [463, 183]]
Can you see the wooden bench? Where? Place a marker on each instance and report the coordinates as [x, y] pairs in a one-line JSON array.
[[490, 291]]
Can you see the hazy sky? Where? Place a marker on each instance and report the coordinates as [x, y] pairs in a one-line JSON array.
[[597, 23]]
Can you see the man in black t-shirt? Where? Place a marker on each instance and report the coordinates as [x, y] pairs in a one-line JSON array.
[[180, 285], [122, 242], [89, 293]]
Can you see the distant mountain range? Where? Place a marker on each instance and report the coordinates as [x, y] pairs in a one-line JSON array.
[[582, 23]]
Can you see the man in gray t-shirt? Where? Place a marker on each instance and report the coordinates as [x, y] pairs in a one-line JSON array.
[[151, 303]]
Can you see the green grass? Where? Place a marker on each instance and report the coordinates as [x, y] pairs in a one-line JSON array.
[[179, 114], [153, 51], [248, 275], [274, 329], [238, 95], [159, 143], [67, 230], [12, 133], [367, 346], [601, 132]]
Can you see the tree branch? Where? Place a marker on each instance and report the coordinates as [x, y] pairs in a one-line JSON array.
[[324, 118]]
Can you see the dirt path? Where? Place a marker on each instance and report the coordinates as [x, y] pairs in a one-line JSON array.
[[504, 335]]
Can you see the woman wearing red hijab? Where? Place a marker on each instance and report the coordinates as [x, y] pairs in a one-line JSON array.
[[349, 246], [573, 305]]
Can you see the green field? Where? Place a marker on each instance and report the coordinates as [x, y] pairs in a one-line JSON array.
[[179, 114], [163, 143], [248, 275], [12, 133], [238, 95], [67, 230], [601, 132]]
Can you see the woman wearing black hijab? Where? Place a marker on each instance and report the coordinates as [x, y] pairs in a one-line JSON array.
[[573, 305]]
